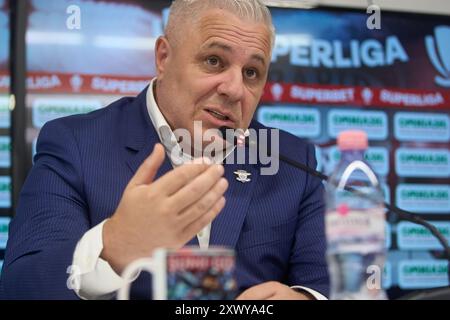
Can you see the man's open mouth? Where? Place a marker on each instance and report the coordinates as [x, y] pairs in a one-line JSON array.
[[218, 115]]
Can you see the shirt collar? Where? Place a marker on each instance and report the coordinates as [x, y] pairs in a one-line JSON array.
[[166, 135]]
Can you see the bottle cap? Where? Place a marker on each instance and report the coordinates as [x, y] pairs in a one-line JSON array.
[[352, 140]]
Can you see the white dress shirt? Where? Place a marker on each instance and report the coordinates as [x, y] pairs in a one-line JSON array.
[[96, 278]]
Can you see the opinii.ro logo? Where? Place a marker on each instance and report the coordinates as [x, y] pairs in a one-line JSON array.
[[438, 48]]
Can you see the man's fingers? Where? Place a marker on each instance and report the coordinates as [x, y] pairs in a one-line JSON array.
[[148, 169], [179, 177], [197, 188], [204, 204], [196, 226]]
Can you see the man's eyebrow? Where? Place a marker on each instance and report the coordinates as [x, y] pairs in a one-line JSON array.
[[219, 45], [225, 47]]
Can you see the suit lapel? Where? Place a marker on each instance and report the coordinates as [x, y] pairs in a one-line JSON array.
[[140, 139], [227, 226], [141, 136]]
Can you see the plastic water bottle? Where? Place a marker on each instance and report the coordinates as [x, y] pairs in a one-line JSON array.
[[355, 224]]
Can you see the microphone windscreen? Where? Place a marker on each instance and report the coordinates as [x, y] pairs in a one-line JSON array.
[[234, 137]]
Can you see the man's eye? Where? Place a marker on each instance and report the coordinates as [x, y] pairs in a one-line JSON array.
[[213, 61], [251, 73]]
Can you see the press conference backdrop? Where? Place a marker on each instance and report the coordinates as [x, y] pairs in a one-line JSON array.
[[5, 139], [329, 73]]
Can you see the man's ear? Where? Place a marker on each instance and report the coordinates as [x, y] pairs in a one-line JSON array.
[[162, 54]]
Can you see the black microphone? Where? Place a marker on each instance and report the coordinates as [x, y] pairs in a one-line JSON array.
[[240, 139]]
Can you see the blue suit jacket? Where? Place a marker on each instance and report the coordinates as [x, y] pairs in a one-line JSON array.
[[83, 164]]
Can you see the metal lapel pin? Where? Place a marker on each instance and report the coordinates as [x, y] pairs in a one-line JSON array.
[[242, 176]]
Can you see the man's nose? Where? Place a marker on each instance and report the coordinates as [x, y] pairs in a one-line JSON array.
[[232, 85]]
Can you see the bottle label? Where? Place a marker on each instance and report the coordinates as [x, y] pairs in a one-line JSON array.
[[350, 230]]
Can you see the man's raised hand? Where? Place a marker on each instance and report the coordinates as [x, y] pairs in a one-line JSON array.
[[165, 213]]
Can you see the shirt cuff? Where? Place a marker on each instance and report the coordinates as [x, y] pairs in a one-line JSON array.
[[314, 293], [96, 279]]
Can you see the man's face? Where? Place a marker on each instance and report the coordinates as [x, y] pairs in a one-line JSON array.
[[216, 74]]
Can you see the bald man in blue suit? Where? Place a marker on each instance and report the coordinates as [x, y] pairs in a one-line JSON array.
[[102, 193]]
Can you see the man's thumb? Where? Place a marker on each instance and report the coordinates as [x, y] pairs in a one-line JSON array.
[[148, 169]]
